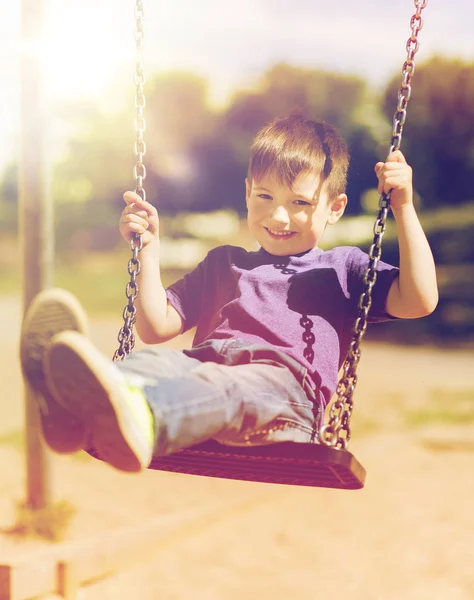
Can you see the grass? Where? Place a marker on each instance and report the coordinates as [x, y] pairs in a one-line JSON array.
[[16, 440], [98, 280], [363, 426], [445, 407], [50, 523]]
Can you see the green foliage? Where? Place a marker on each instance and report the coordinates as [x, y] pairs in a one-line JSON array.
[[439, 135], [178, 114], [14, 439], [8, 217], [8, 186], [96, 166], [197, 156], [197, 160], [284, 88], [221, 161], [446, 407]]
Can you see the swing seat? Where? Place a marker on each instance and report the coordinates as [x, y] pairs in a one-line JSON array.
[[289, 463]]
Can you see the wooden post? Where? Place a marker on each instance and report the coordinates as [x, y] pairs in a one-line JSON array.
[[35, 218], [68, 585]]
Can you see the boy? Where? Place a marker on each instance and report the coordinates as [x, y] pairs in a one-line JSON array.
[[273, 326]]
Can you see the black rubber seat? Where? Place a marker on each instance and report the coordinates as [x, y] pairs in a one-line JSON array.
[[287, 463]]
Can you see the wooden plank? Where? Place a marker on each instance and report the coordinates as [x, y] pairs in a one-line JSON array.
[[67, 582], [116, 551], [63, 569], [23, 580], [5, 582]]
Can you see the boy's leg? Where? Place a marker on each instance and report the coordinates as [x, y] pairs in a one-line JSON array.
[[113, 398], [193, 401], [51, 312], [114, 408], [159, 400], [239, 404]]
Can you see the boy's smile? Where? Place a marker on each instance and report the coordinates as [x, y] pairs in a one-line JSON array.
[[280, 233], [288, 220]]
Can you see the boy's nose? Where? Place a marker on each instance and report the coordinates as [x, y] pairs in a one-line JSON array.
[[280, 215]]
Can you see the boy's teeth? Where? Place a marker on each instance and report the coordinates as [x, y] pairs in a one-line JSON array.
[[282, 233]]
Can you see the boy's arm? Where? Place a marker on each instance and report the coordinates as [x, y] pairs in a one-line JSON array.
[[156, 320], [414, 293]]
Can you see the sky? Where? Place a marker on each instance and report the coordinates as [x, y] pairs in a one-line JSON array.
[[88, 46]]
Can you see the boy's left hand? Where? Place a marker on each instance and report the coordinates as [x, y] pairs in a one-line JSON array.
[[396, 175]]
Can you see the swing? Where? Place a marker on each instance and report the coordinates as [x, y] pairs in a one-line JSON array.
[[327, 463]]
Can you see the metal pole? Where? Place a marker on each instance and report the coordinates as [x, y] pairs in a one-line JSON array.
[[35, 219]]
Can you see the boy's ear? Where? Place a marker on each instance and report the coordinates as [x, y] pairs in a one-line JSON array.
[[248, 189], [337, 209]]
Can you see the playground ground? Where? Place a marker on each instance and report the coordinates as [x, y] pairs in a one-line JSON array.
[[408, 534]]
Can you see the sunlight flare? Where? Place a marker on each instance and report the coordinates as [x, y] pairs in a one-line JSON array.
[[81, 51]]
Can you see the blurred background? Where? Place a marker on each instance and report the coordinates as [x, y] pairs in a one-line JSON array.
[[215, 75], [216, 72]]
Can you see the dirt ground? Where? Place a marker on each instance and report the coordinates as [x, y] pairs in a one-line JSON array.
[[409, 534]]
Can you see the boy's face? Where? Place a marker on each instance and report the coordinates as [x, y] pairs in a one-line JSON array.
[[287, 220]]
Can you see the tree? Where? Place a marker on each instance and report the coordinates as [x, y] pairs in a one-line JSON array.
[[439, 134], [180, 125], [197, 157], [318, 94], [8, 184], [9, 198], [97, 162], [283, 88]]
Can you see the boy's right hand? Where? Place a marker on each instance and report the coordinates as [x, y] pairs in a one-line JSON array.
[[140, 217]]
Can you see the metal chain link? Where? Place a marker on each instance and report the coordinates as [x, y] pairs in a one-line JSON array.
[[126, 337], [337, 432]]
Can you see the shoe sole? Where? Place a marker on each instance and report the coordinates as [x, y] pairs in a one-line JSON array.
[[51, 312], [85, 383]]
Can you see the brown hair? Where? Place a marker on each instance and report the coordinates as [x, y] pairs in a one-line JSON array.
[[293, 145]]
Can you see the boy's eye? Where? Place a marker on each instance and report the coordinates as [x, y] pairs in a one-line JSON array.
[[265, 196], [302, 203]]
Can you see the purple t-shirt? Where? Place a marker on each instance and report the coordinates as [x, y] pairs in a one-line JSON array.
[[304, 305]]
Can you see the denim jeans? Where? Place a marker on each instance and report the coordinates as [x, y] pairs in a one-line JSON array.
[[228, 390]]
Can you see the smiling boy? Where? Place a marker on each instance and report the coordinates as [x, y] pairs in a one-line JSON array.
[[273, 326]]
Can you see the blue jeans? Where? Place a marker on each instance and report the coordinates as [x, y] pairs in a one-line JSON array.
[[228, 390]]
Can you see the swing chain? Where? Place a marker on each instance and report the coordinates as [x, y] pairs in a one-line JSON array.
[[337, 432], [408, 70], [126, 337]]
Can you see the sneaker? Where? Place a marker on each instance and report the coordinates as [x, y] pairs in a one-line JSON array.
[[91, 387], [51, 312]]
